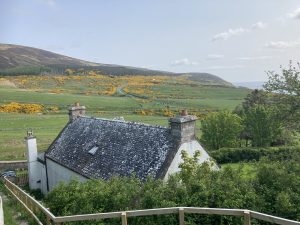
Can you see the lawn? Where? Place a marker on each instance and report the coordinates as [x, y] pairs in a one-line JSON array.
[[161, 93], [93, 102]]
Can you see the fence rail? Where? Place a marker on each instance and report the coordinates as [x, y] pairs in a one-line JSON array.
[[1, 212], [33, 207]]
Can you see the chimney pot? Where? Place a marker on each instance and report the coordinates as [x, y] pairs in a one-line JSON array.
[[29, 133], [184, 112]]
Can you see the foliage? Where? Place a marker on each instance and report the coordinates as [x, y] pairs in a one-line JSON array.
[[262, 125], [28, 70], [261, 122], [235, 155], [21, 108], [286, 93], [189, 165], [273, 189], [256, 97], [221, 129], [278, 185]]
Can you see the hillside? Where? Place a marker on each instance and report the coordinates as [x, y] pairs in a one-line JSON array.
[[22, 60]]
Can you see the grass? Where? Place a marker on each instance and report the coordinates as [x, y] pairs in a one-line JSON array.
[[13, 130], [94, 103], [166, 93], [11, 214]]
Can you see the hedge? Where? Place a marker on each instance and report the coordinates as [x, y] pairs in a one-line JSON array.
[[235, 155]]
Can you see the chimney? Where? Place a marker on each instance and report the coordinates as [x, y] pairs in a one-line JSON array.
[[32, 154], [76, 111], [183, 127]]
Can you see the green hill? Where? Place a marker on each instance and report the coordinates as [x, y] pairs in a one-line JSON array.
[[22, 60]]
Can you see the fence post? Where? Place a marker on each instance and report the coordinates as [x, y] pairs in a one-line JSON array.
[[181, 216], [124, 218], [1, 212], [247, 217], [48, 221]]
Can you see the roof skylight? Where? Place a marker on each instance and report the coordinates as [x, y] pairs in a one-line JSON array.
[[93, 150]]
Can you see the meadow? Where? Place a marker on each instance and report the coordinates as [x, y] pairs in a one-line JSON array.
[[147, 99]]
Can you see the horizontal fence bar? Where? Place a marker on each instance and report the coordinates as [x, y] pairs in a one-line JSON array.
[[273, 219], [150, 212], [95, 216], [38, 204], [147, 212], [214, 211]]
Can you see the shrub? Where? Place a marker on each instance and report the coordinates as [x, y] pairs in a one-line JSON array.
[[235, 155], [22, 108]]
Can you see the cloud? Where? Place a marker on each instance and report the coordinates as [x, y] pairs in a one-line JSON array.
[[229, 33], [183, 62], [238, 31], [214, 57], [281, 44], [258, 25], [224, 67], [295, 14], [251, 58]]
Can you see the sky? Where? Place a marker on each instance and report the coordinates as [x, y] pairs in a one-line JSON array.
[[237, 40]]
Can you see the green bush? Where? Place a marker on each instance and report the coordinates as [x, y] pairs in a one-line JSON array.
[[235, 155], [274, 189]]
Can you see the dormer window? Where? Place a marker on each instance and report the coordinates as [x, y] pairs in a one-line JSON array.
[[93, 150]]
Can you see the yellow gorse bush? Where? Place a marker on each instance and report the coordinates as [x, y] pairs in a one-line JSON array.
[[21, 108]]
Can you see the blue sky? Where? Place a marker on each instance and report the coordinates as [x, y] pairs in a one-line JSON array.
[[236, 40]]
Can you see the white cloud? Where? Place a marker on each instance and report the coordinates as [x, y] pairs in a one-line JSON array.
[[229, 33], [238, 31], [251, 58], [295, 14], [214, 57], [183, 62], [258, 25], [281, 44]]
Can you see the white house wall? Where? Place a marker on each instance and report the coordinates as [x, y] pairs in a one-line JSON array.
[[58, 173], [190, 147]]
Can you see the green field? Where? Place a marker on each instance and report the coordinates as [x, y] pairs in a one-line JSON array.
[[171, 94]]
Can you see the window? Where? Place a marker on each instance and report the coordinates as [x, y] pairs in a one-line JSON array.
[[93, 150]]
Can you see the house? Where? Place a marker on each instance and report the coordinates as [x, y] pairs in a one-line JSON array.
[[92, 148]]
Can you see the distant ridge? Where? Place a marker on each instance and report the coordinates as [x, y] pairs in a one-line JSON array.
[[251, 84], [13, 57]]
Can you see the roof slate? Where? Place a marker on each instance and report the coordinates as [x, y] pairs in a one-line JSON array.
[[124, 148]]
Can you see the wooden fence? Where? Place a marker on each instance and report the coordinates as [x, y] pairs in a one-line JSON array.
[[12, 165], [1, 212], [34, 208]]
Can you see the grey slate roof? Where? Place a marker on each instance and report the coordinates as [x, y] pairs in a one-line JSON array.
[[123, 148]]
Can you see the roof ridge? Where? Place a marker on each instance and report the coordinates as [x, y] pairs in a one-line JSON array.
[[127, 122]]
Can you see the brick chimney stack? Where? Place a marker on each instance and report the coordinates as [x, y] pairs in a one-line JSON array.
[[76, 111], [183, 126]]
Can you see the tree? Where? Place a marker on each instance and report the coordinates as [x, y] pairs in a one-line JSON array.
[[286, 93], [256, 97], [221, 129], [262, 125]]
